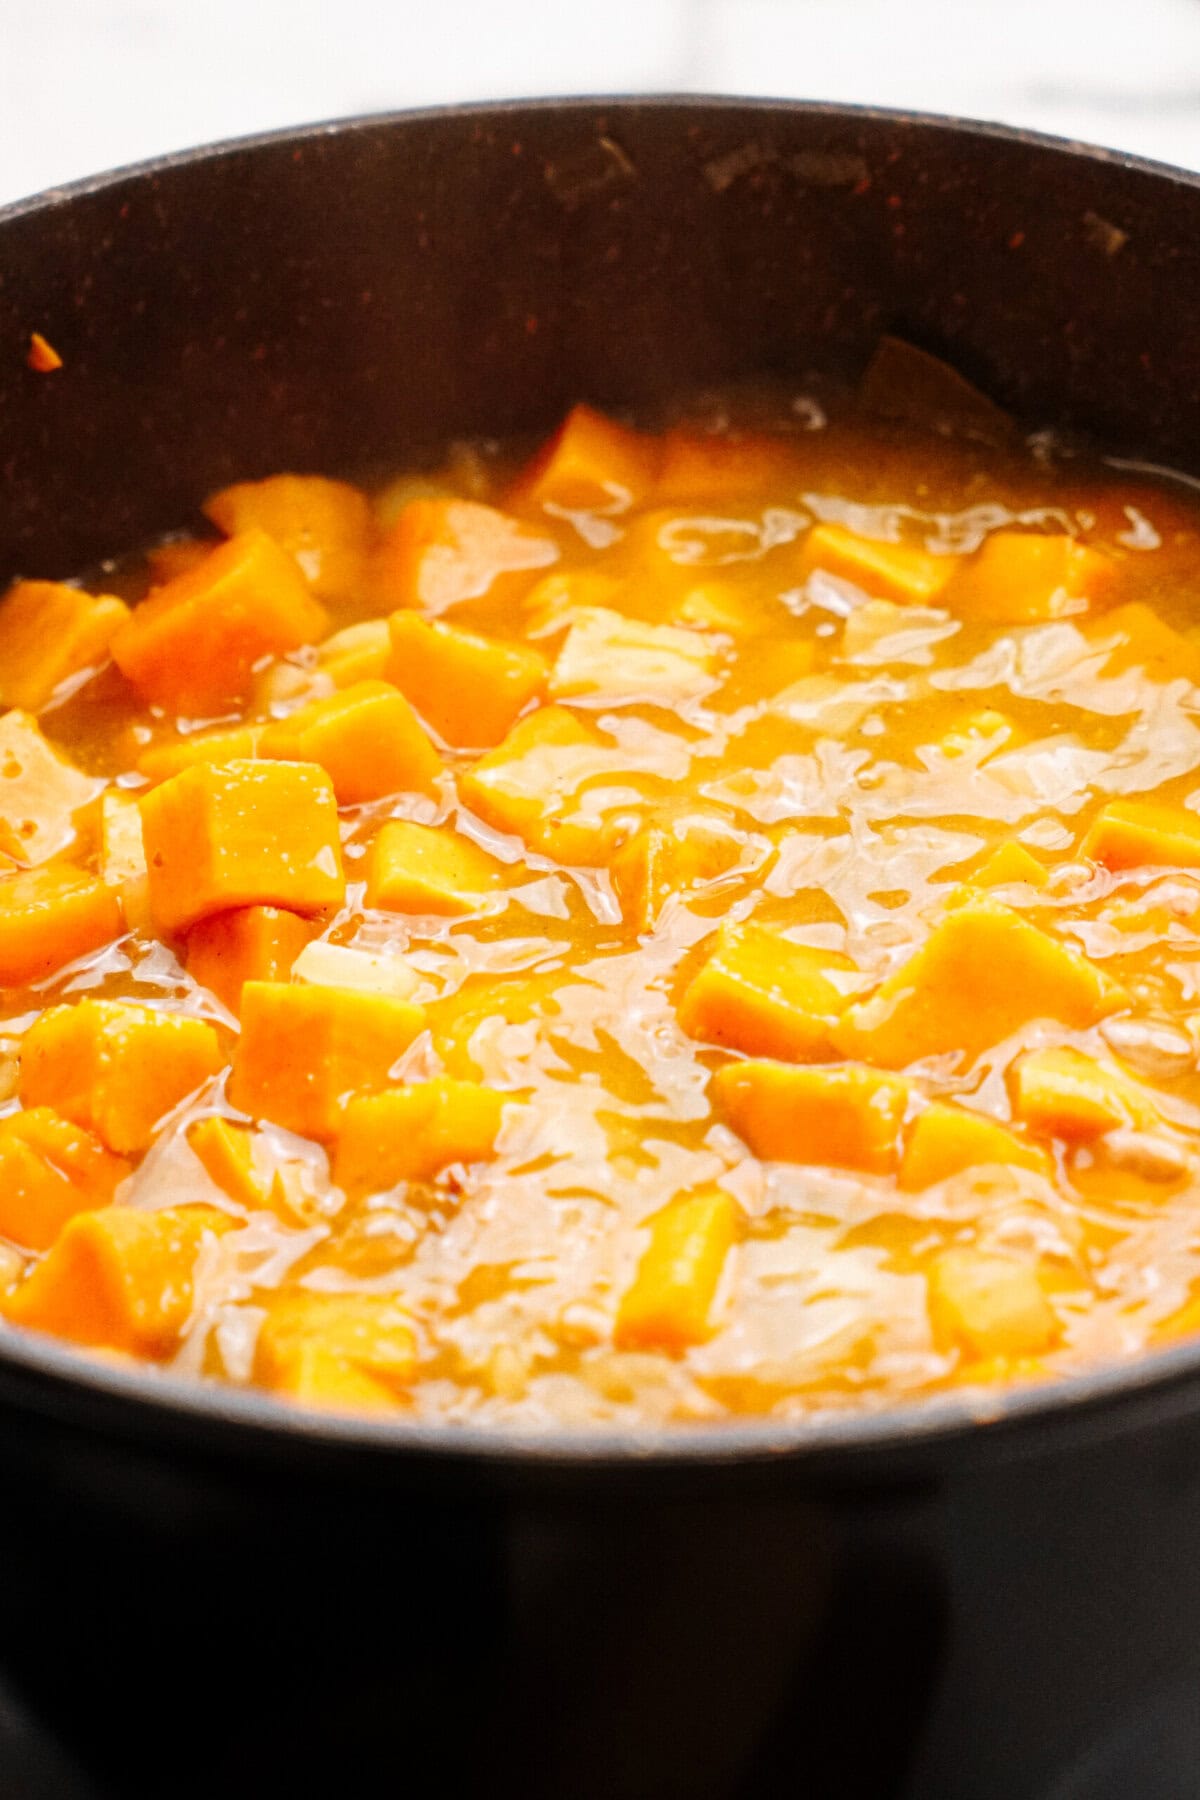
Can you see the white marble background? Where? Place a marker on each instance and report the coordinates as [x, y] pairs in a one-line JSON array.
[[88, 84]]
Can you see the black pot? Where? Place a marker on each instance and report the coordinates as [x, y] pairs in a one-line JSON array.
[[202, 1593]]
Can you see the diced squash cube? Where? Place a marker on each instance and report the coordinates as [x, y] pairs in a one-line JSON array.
[[50, 1169], [247, 943], [120, 1279], [325, 525], [761, 993], [674, 857], [49, 631], [714, 606], [122, 858], [894, 571], [1136, 638], [591, 464], [440, 552], [341, 1350], [989, 1306], [367, 738], [711, 465], [238, 744], [607, 654], [845, 1117], [306, 1050], [115, 1068], [356, 653], [192, 645], [226, 1152], [409, 1133], [40, 792], [944, 1140], [368, 971], [1027, 577], [982, 972], [428, 869], [669, 1304], [1129, 834], [241, 834], [1007, 864], [1068, 1094], [527, 785], [48, 917], [469, 688]]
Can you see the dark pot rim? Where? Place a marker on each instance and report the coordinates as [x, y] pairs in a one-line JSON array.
[[44, 1376]]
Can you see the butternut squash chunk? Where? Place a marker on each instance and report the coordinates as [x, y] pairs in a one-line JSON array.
[[356, 653], [668, 1306], [48, 917], [673, 858], [591, 464], [989, 1306], [161, 761], [50, 1170], [762, 994], [945, 1140], [528, 784], [440, 552], [346, 1350], [1135, 637], [247, 943], [325, 525], [226, 1153], [893, 571], [1009, 863], [1128, 834], [845, 1117], [470, 689], [1068, 1094], [410, 1133], [367, 738], [1027, 577], [428, 869], [49, 632]]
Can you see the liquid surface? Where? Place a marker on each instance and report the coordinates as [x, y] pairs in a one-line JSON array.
[[811, 1024]]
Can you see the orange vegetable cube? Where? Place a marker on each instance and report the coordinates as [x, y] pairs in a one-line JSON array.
[[1007, 864], [238, 744], [409, 1133], [306, 1050], [247, 943], [48, 632], [115, 1068], [41, 792], [668, 1306], [715, 606], [527, 785], [944, 1140], [367, 738], [663, 860], [356, 653], [982, 972], [192, 645], [591, 464], [893, 571], [440, 552], [241, 834], [428, 869], [226, 1152], [470, 689], [1025, 577], [50, 1170], [341, 1350], [761, 993], [989, 1306], [845, 1117], [1070, 1095], [120, 1278], [1134, 637], [48, 917], [1128, 834], [325, 525]]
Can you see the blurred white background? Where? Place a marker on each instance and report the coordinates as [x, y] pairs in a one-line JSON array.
[[88, 84]]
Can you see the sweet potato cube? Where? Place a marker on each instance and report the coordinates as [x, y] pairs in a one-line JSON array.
[[48, 632], [428, 869], [50, 1169], [591, 464], [527, 784], [469, 688], [846, 1117], [48, 917], [989, 1306], [893, 571], [608, 654], [1027, 577], [226, 1152], [193, 644], [339, 1350], [306, 1050], [761, 993], [325, 525], [1129, 834], [668, 1305], [238, 744], [356, 653], [121, 1278], [1068, 1094], [241, 834], [944, 1140], [122, 858], [440, 552], [670, 858], [1134, 637], [1007, 864], [40, 792], [982, 972], [115, 1068], [248, 943], [409, 1133], [367, 738]]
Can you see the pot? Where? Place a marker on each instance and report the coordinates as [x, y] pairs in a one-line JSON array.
[[203, 1592]]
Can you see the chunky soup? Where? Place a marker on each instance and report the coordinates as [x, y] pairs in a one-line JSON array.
[[689, 924]]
